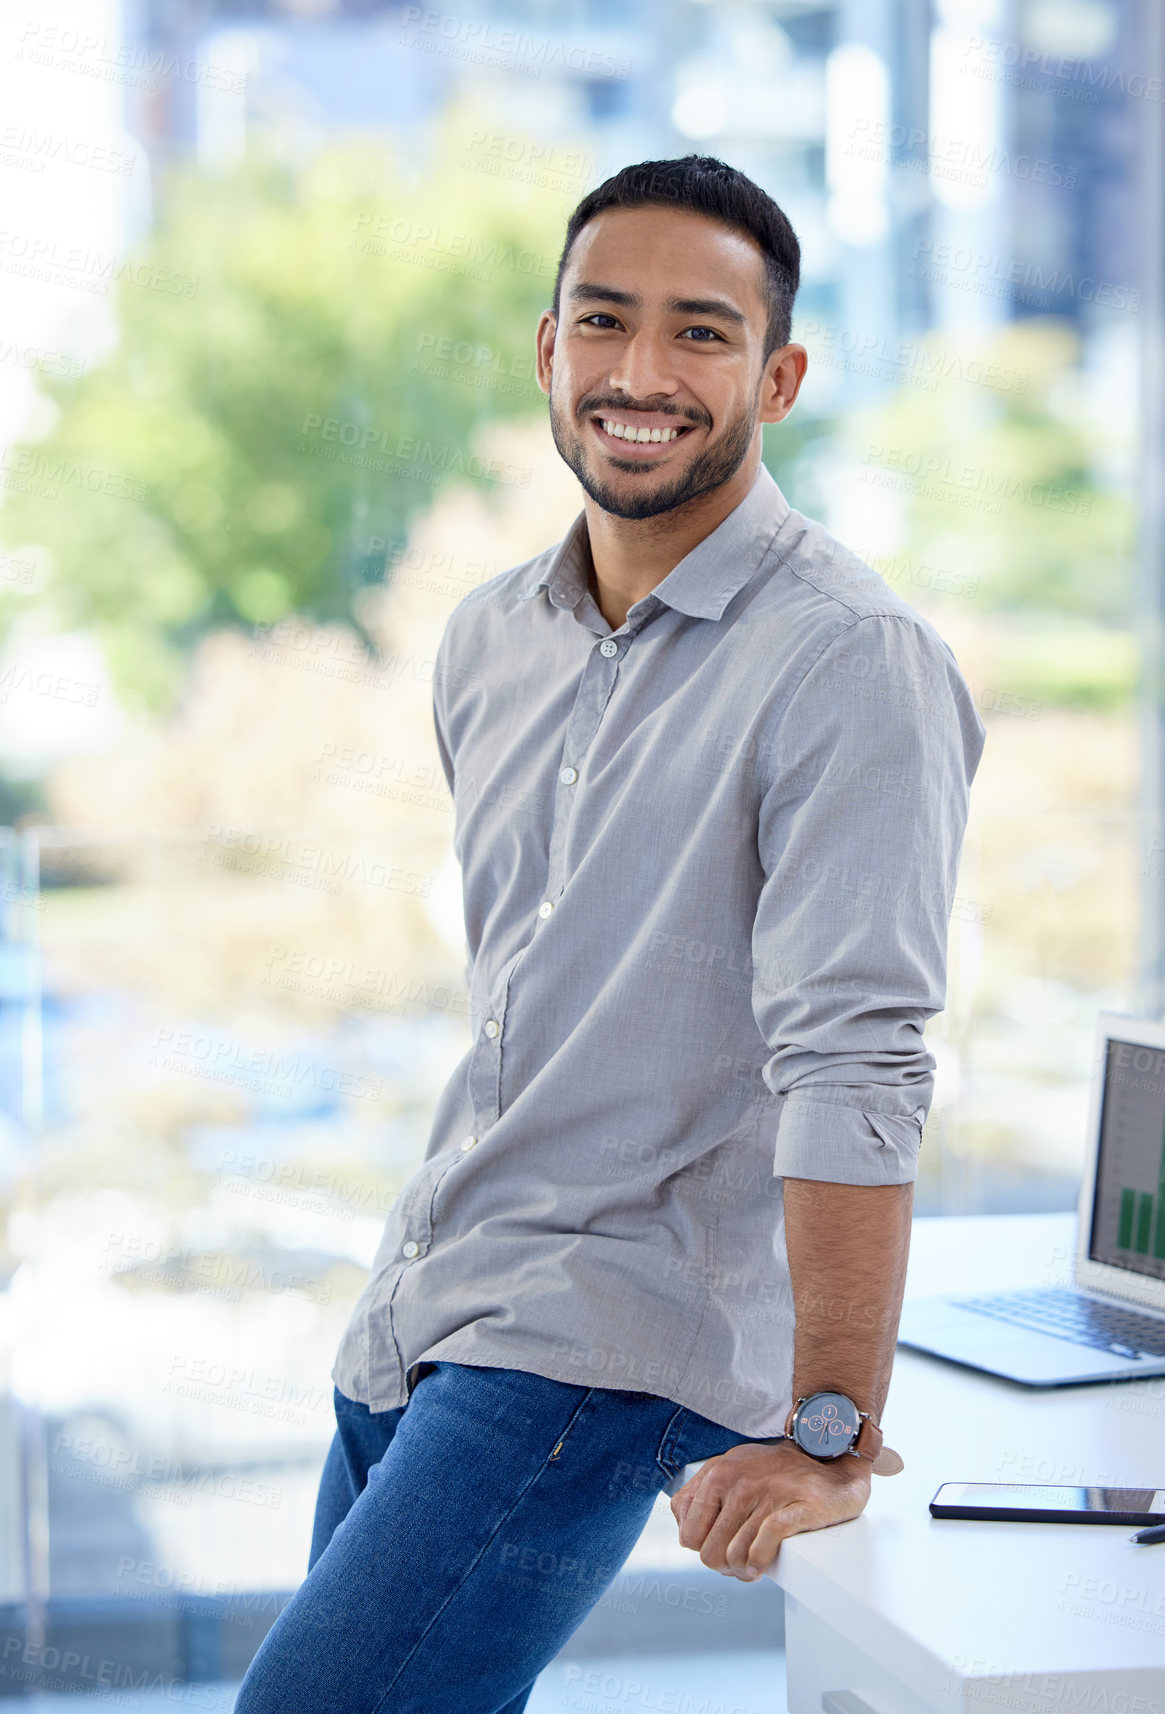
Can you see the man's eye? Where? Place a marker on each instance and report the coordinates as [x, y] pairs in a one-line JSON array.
[[600, 316], [710, 331]]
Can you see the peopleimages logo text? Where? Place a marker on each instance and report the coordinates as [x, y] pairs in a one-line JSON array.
[[946, 261], [102, 55], [408, 450]]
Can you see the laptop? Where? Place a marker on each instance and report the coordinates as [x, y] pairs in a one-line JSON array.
[[1110, 1324]]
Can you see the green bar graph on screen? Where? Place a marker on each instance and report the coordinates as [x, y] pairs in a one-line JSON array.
[[1141, 1219], [1124, 1228]]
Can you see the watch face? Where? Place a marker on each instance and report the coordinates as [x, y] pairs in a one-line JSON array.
[[826, 1425]]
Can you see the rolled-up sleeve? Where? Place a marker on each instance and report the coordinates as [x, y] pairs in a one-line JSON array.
[[860, 833]]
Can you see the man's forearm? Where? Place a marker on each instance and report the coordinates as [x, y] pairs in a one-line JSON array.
[[847, 1246]]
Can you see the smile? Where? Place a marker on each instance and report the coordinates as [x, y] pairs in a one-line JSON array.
[[639, 443], [628, 431]]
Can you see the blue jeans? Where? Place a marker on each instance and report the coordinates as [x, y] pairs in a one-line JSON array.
[[461, 1539]]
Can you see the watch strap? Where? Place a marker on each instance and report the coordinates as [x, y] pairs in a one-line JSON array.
[[884, 1461]]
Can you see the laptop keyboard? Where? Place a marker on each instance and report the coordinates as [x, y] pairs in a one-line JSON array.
[[1082, 1320]]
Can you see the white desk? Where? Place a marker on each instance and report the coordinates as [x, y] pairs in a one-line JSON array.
[[902, 1613]]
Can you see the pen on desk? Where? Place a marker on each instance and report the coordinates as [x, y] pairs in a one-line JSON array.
[[1147, 1537]]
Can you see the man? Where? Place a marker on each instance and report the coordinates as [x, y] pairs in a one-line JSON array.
[[710, 777]]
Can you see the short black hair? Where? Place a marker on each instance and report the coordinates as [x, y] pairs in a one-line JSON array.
[[700, 184]]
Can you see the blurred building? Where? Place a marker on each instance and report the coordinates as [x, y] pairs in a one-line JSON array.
[[950, 163]]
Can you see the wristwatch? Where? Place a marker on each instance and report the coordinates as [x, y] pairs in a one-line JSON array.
[[827, 1425]]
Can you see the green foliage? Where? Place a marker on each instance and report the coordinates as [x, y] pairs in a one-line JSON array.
[[1079, 666], [1000, 472], [1004, 483], [306, 354], [304, 358]]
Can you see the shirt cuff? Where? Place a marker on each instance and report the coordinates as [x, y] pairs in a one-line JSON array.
[[847, 1145]]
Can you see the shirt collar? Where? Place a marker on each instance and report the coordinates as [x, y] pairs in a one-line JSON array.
[[705, 580]]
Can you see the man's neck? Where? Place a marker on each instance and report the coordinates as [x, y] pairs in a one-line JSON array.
[[629, 556]]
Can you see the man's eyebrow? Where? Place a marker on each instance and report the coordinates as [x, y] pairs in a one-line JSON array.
[[609, 294], [590, 291], [718, 307]]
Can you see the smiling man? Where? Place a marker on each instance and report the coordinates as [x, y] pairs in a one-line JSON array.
[[710, 777]]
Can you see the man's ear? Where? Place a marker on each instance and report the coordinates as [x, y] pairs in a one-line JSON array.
[[784, 373], [544, 347]]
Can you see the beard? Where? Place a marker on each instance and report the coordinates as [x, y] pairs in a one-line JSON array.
[[713, 467]]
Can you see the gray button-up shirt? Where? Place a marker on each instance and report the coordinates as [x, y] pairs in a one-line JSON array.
[[709, 860]]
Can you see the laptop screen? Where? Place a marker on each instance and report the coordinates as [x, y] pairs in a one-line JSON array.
[[1128, 1210]]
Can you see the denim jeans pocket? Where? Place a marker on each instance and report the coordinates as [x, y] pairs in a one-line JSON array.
[[690, 1438], [670, 1454]]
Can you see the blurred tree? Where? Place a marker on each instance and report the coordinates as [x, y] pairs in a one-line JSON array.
[[304, 355], [1009, 473], [991, 482]]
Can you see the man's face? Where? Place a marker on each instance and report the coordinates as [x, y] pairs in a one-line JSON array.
[[660, 332]]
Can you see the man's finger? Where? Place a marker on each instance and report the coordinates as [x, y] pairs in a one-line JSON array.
[[701, 1515], [680, 1502], [738, 1518], [771, 1532], [683, 1499], [692, 1490]]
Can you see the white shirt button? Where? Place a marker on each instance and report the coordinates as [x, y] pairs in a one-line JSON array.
[[608, 647], [468, 1143], [410, 1249], [545, 908], [568, 776], [492, 1027]]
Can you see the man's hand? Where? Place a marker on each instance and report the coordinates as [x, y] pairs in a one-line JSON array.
[[738, 1508]]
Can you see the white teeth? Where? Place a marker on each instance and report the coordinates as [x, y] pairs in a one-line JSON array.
[[627, 431]]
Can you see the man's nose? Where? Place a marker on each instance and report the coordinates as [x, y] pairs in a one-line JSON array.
[[644, 368]]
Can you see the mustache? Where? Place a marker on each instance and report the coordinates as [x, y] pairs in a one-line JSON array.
[[604, 403]]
